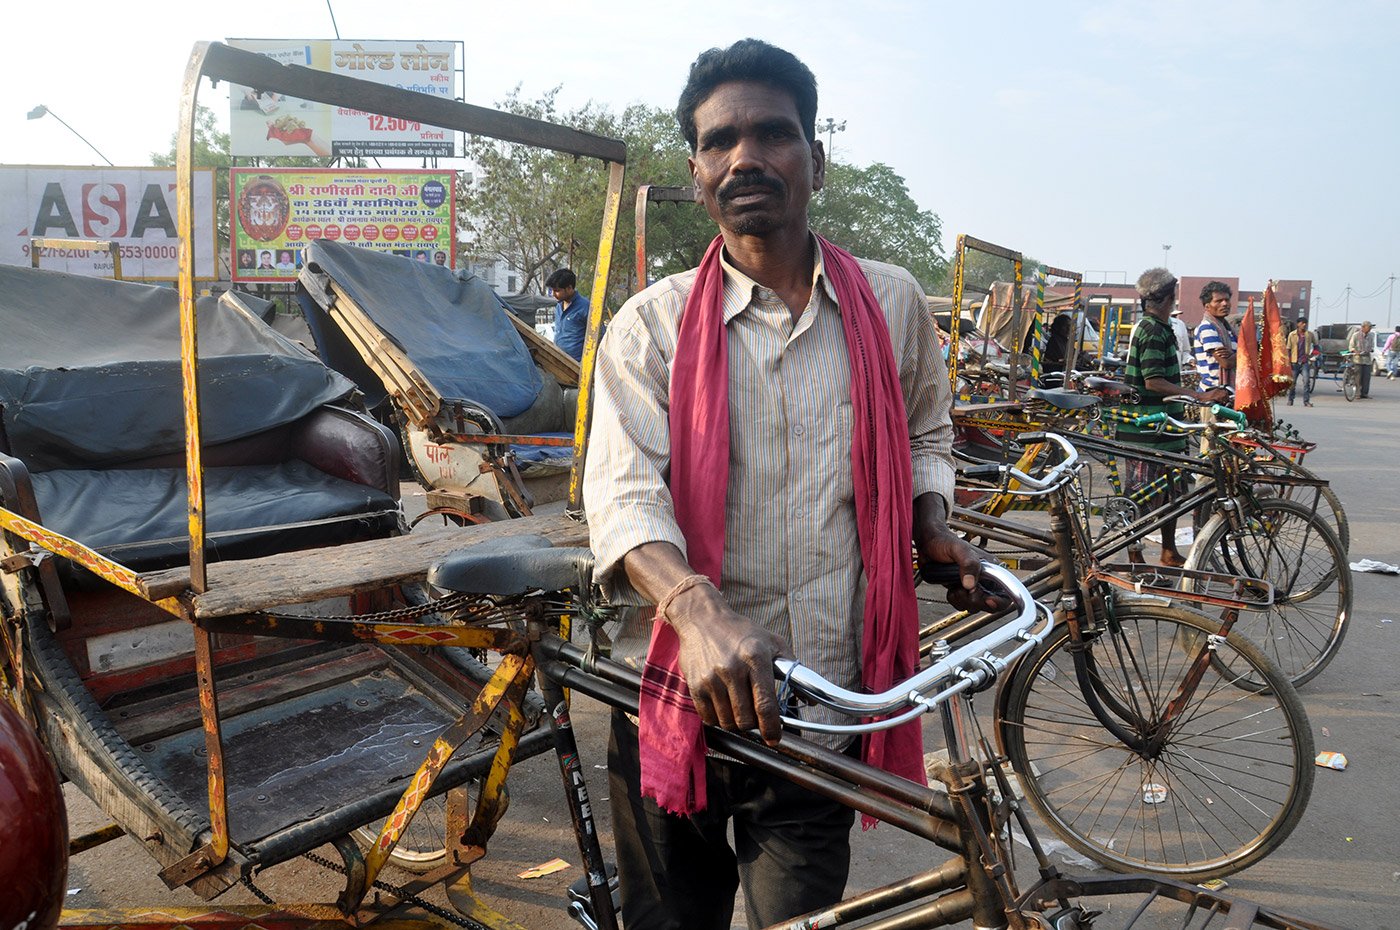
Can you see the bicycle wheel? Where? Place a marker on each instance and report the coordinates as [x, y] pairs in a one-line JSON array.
[[1291, 546], [1228, 778], [423, 846], [1351, 382]]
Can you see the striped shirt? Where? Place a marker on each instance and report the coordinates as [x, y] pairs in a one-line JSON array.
[[792, 560], [1213, 334], [1152, 354]]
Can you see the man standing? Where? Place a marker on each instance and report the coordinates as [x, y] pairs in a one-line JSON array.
[[1215, 339], [1359, 345], [1154, 372], [771, 431], [1301, 343], [1185, 355], [570, 313]]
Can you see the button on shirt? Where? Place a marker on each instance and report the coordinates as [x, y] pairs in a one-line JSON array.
[[792, 556]]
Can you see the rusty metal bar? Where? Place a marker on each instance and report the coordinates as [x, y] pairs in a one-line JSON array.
[[82, 245], [611, 206], [101, 566]]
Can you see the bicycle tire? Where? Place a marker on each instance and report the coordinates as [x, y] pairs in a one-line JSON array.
[[1351, 384], [1231, 780], [1293, 548]]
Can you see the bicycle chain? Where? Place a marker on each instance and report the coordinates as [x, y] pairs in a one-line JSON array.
[[451, 602], [404, 895]]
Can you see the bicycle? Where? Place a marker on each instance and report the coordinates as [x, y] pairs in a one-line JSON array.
[[1248, 503], [1126, 725], [1351, 378], [972, 816]]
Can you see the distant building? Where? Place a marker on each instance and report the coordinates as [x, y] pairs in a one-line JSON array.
[[1294, 296]]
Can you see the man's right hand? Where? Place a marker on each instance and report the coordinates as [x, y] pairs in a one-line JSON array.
[[727, 662]]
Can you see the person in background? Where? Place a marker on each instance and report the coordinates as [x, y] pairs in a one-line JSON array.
[[1392, 354], [1215, 338], [570, 313], [1185, 354], [1301, 344], [1154, 372], [1359, 345]]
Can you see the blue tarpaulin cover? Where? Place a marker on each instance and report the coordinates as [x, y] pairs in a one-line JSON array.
[[452, 326], [90, 370]]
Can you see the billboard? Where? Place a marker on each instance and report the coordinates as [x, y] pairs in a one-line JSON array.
[[275, 213], [265, 123], [134, 207]]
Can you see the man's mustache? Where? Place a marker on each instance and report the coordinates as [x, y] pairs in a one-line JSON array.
[[746, 184]]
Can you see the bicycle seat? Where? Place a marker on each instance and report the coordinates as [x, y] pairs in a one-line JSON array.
[[513, 565], [1064, 400], [1053, 379], [1112, 361], [1106, 386]]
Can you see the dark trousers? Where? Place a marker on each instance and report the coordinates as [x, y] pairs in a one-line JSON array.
[[1300, 376], [791, 849], [1364, 370]]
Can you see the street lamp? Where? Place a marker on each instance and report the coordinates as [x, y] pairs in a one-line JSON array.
[[41, 111], [1165, 250], [831, 127]]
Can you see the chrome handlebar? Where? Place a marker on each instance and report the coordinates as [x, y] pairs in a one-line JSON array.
[[971, 666]]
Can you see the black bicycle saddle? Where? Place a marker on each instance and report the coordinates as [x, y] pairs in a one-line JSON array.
[[1065, 400], [513, 565], [1106, 386]]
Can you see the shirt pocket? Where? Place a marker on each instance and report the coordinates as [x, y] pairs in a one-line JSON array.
[[838, 451]]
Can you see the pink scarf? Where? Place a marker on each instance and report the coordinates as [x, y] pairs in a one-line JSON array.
[[672, 737]]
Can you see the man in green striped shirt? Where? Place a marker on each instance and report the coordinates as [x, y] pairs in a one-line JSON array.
[[1154, 372]]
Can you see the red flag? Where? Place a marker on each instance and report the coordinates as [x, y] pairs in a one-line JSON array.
[[1251, 393], [1276, 371]]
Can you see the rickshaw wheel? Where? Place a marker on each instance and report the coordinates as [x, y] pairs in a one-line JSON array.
[[449, 515]]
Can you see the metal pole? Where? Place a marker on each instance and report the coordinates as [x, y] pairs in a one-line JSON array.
[[1389, 302]]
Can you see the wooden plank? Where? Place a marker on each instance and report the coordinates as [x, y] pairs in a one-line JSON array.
[[160, 717], [547, 355], [241, 587]]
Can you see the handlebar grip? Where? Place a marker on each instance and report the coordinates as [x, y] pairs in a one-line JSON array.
[[981, 471], [1148, 419], [944, 573], [1229, 414]]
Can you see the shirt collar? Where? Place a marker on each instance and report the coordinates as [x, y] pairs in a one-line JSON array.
[[739, 288]]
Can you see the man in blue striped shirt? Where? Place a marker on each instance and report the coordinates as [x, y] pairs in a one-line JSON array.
[[1215, 340]]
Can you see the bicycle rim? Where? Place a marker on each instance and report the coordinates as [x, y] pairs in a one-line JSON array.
[[423, 846], [1293, 548], [1349, 388], [1231, 779]]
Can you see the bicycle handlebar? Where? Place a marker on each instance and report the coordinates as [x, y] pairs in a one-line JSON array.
[[1216, 410], [1030, 485], [972, 665]]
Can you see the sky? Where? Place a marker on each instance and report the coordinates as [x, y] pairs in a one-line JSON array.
[[1258, 138]]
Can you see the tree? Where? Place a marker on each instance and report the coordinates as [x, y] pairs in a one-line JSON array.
[[210, 151], [533, 208], [868, 211]]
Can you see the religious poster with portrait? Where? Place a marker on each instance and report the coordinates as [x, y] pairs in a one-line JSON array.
[[277, 212]]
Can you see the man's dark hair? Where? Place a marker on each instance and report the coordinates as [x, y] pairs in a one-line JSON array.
[[561, 279], [748, 60], [1215, 287]]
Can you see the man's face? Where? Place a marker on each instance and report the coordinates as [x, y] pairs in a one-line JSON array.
[[1366, 330], [562, 294], [753, 168], [1218, 305]]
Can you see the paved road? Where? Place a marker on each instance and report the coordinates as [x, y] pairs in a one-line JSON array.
[[1341, 866]]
